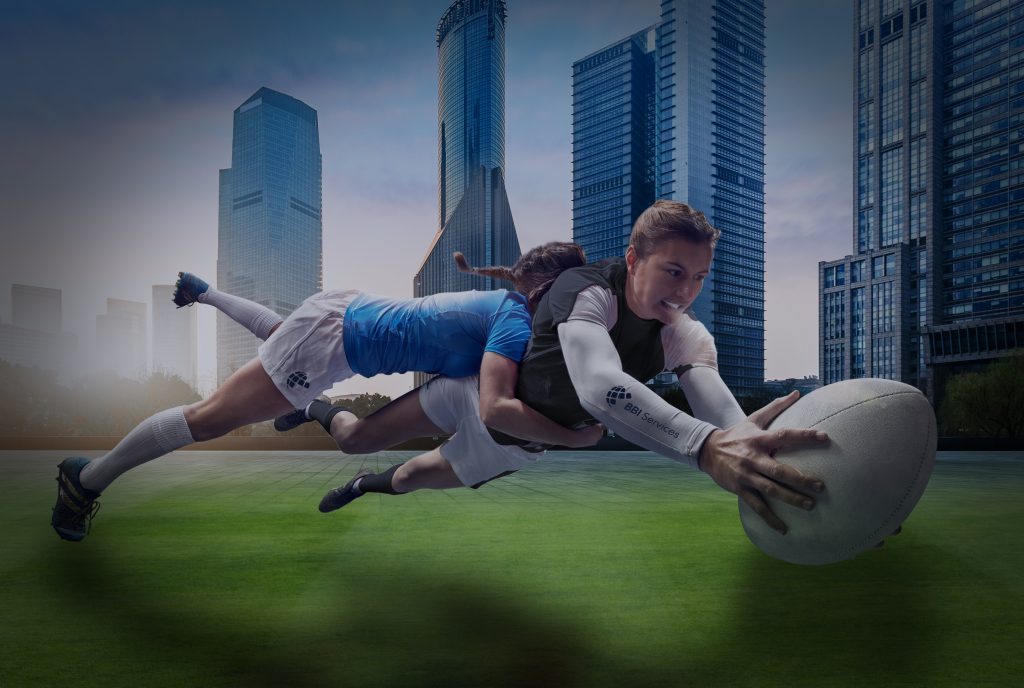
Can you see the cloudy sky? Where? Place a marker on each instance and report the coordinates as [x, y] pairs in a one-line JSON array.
[[116, 118]]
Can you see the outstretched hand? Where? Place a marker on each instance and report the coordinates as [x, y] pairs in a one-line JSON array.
[[741, 460]]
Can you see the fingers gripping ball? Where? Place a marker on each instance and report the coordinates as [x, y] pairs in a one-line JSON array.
[[879, 458]]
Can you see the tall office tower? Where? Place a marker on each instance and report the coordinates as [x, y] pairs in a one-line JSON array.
[[613, 134], [34, 336], [36, 308], [677, 112], [473, 211], [121, 339], [934, 286], [174, 336], [270, 223]]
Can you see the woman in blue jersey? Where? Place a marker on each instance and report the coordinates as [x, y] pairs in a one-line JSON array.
[[330, 337]]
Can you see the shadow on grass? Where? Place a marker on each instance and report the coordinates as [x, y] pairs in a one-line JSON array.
[[864, 622], [362, 630]]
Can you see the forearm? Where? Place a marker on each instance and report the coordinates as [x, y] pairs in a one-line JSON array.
[[709, 397], [513, 417], [624, 403]]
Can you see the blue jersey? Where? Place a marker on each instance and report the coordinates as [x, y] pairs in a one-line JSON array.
[[443, 333]]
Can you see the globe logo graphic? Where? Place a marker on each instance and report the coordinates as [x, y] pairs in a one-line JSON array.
[[297, 379], [615, 394]]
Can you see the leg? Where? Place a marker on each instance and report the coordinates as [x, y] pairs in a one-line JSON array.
[[256, 318], [403, 419], [428, 471], [248, 396]]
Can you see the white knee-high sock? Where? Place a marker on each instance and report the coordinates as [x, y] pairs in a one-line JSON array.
[[254, 317], [159, 434]]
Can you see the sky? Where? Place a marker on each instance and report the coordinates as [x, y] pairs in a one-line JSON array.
[[117, 116]]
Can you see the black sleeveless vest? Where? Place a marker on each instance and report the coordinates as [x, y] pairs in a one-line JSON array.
[[544, 382]]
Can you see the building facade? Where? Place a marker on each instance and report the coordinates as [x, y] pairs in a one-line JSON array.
[[35, 338], [474, 216], [270, 228], [121, 339], [175, 337], [677, 112], [938, 195]]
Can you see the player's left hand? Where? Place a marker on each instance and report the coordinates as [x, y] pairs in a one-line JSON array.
[[741, 459]]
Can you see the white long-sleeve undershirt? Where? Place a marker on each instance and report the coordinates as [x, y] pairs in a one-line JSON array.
[[624, 403]]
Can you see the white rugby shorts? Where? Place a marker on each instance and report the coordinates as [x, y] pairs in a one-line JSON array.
[[453, 405], [306, 354]]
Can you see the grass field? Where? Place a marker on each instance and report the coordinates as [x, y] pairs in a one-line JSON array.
[[215, 569]]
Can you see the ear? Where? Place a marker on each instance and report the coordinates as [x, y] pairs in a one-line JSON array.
[[631, 257]]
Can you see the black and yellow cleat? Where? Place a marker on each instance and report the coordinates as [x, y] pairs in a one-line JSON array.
[[76, 506]]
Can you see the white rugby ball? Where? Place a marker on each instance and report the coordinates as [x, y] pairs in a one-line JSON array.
[[876, 465]]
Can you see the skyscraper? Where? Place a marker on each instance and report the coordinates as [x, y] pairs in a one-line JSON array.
[[934, 285], [677, 112], [270, 221], [174, 336], [34, 338], [473, 211], [36, 308], [121, 339]]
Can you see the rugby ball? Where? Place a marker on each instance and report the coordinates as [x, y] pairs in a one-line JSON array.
[[876, 465]]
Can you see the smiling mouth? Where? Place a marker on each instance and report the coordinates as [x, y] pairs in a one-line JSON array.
[[672, 306]]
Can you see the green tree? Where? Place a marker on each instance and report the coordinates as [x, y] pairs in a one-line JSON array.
[[365, 404], [986, 404]]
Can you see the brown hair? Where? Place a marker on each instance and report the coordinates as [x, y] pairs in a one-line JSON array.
[[670, 220], [535, 271]]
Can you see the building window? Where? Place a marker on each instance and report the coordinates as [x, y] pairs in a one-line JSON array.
[[892, 197]]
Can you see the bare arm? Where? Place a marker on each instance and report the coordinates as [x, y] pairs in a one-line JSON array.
[[499, 409]]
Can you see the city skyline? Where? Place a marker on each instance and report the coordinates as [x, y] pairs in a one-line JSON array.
[[933, 288], [677, 112], [131, 203]]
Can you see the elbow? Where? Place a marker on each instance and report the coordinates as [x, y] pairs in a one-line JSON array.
[[490, 412]]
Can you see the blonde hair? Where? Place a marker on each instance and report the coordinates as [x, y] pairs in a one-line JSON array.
[[670, 220], [535, 271]]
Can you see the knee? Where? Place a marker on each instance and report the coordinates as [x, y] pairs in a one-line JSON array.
[[354, 439]]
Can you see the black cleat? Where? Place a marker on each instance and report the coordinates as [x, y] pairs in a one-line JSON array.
[[76, 506], [340, 496], [294, 419]]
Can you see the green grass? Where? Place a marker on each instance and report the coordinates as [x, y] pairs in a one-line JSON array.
[[215, 569]]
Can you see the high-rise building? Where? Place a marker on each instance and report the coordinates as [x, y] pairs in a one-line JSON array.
[[935, 283], [270, 222], [473, 210], [677, 112], [36, 308], [121, 339], [174, 336], [34, 337]]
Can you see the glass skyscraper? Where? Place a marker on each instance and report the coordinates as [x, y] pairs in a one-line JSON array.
[[270, 224], [473, 210], [935, 285], [677, 111]]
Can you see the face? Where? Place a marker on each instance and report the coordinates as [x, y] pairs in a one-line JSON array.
[[665, 283]]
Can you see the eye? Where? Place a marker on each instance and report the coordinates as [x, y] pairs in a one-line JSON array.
[[674, 272], [700, 278]]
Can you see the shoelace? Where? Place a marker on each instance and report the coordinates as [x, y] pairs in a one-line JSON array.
[[86, 515]]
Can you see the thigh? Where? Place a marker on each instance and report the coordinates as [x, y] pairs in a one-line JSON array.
[[403, 419], [248, 396]]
